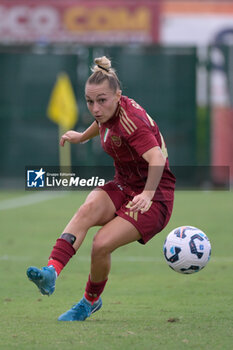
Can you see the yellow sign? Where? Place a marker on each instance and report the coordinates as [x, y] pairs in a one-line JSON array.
[[62, 108], [103, 19]]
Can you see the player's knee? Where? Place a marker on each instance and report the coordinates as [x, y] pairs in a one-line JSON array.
[[99, 246], [86, 210]]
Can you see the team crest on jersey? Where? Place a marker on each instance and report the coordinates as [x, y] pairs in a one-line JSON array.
[[116, 140]]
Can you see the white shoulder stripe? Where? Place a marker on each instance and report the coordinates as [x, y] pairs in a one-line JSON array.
[[150, 120], [124, 126], [128, 124], [127, 117]]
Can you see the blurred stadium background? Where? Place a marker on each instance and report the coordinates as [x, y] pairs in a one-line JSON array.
[[175, 58]]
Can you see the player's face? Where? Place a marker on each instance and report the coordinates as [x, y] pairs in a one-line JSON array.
[[102, 101]]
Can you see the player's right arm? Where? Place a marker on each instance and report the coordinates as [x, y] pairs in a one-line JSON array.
[[80, 137]]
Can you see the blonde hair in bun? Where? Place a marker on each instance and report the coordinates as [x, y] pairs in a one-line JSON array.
[[102, 63], [102, 70]]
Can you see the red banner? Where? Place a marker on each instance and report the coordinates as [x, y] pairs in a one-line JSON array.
[[86, 21]]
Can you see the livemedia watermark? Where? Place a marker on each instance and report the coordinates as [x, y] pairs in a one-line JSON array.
[[52, 178]]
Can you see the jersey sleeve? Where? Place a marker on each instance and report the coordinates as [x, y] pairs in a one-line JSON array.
[[142, 138], [140, 130]]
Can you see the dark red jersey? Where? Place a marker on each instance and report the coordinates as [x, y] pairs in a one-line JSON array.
[[126, 137]]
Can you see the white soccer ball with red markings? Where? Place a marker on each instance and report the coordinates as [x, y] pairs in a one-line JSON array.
[[187, 249]]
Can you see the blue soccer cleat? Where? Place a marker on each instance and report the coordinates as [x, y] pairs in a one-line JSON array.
[[81, 311], [44, 278]]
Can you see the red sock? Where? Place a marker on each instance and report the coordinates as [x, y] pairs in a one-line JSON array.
[[94, 289], [61, 254], [56, 264]]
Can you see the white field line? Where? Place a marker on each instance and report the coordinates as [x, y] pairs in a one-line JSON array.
[[29, 199], [120, 259]]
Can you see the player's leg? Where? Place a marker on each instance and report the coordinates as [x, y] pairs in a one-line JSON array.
[[114, 234], [96, 210]]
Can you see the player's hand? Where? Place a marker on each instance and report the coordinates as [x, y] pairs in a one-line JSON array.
[[71, 136], [141, 202]]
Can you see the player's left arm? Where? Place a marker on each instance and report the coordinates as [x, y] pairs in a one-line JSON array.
[[156, 161]]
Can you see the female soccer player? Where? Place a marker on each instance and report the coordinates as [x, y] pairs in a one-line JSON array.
[[134, 206]]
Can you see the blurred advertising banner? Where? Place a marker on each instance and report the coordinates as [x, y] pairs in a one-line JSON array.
[[84, 21]]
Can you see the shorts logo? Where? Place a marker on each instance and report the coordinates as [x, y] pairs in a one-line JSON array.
[[36, 178], [132, 214], [116, 140]]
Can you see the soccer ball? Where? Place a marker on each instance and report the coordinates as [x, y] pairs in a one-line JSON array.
[[187, 249]]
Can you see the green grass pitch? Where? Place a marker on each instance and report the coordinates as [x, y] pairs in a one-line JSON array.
[[146, 305]]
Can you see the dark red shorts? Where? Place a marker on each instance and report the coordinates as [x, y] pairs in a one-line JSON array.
[[150, 222]]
